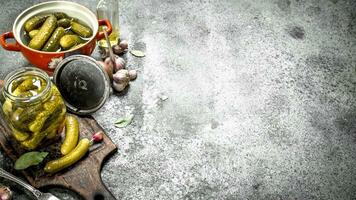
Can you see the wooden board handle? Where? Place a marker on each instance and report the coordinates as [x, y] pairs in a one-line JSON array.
[[87, 183], [97, 189]]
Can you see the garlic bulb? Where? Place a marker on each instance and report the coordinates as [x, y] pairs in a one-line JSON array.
[[121, 80], [5, 193]]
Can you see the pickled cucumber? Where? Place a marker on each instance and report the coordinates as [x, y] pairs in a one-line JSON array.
[[72, 134], [34, 22], [52, 117], [37, 137], [15, 120], [33, 33], [53, 134], [49, 108], [28, 114], [74, 156], [56, 92], [7, 107], [25, 86], [65, 22], [34, 141], [21, 117], [51, 131], [15, 83], [20, 136], [28, 87], [81, 30], [60, 15], [53, 42], [44, 33], [69, 41], [16, 115]]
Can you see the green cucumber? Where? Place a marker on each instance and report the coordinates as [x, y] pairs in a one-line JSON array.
[[53, 42], [69, 41], [44, 33], [81, 30], [34, 22]]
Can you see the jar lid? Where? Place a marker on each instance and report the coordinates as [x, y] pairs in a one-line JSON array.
[[83, 83]]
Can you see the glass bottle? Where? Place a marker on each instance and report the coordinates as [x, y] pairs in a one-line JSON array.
[[33, 107], [109, 9]]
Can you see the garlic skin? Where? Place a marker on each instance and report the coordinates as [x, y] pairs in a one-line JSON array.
[[119, 63], [54, 62], [107, 67], [5, 193], [133, 74], [107, 60]]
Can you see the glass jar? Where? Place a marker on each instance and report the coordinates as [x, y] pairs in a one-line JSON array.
[[33, 107], [109, 9]]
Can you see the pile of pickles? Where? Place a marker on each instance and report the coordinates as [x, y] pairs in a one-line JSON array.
[[36, 112], [55, 32]]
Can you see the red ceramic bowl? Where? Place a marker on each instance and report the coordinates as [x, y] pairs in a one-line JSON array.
[[42, 59]]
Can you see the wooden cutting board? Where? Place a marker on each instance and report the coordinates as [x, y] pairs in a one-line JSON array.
[[83, 177]]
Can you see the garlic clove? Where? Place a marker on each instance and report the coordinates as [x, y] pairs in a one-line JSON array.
[[117, 49], [121, 76], [119, 63], [119, 87], [125, 71], [124, 44], [132, 74]]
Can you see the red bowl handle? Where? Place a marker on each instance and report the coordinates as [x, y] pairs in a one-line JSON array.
[[9, 47], [104, 22]]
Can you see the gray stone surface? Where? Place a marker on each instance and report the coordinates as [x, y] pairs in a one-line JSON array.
[[261, 100]]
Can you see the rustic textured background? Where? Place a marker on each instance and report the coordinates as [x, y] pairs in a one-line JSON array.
[[261, 100]]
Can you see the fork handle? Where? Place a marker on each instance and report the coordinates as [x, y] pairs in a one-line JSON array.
[[13, 178]]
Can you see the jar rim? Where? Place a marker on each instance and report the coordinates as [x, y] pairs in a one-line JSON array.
[[20, 72]]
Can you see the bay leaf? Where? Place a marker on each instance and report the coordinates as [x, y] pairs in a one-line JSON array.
[[124, 121], [137, 53], [29, 159]]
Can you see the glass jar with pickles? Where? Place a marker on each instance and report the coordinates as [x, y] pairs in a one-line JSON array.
[[33, 107]]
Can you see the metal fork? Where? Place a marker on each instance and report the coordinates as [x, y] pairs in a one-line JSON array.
[[38, 194]]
